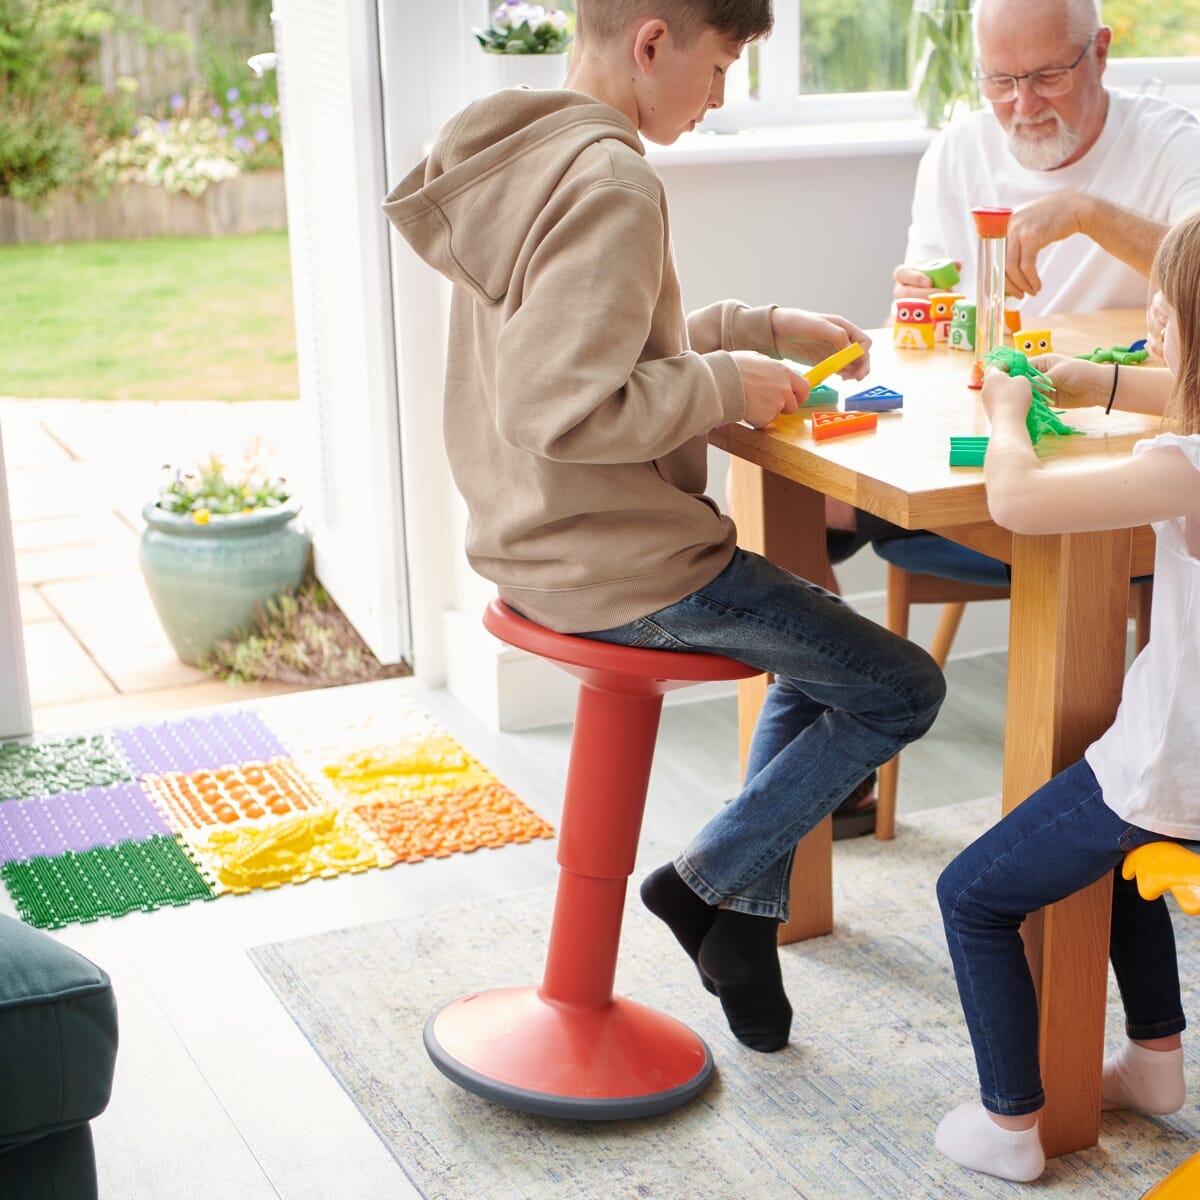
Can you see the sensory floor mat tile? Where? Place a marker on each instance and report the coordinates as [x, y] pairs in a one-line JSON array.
[[184, 809], [42, 826], [108, 881], [436, 825], [229, 794], [292, 850], [43, 768], [198, 743]]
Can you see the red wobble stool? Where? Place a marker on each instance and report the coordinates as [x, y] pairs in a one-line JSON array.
[[570, 1048]]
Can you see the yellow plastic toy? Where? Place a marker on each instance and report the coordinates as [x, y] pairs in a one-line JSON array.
[[941, 309], [835, 362], [1033, 341], [1160, 867], [1166, 866]]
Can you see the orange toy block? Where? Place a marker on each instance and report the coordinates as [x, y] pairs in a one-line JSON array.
[[834, 424]]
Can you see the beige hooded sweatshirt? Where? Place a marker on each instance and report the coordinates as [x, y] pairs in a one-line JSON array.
[[578, 396]]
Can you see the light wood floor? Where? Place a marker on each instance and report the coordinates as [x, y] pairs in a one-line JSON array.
[[218, 1094]]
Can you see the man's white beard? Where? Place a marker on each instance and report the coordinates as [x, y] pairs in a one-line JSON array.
[[1041, 153]]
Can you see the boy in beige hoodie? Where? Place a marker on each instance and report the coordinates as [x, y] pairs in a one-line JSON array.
[[579, 397]]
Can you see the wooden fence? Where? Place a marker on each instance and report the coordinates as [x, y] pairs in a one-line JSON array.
[[248, 203], [160, 71]]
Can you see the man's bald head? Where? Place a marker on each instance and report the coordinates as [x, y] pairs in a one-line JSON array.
[[1078, 19]]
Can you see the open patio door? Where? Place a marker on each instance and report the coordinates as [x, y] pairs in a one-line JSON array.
[[332, 115]]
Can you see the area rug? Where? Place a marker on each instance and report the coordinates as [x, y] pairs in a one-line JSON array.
[[846, 1112], [206, 805]]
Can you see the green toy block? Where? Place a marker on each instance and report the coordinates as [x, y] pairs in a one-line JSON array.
[[822, 396], [967, 451], [942, 272]]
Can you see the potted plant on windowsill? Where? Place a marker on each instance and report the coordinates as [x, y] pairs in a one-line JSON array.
[[217, 546], [526, 45]]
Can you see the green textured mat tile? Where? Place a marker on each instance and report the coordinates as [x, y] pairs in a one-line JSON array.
[[69, 765], [108, 881]]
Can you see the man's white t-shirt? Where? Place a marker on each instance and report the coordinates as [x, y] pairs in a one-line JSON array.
[[1147, 158], [1148, 762]]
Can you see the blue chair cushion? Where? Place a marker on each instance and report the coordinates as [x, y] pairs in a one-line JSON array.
[[58, 1036]]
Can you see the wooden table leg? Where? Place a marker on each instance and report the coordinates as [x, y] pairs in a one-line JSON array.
[[785, 522], [1066, 665]]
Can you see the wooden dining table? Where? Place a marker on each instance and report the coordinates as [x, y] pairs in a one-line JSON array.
[[1067, 633]]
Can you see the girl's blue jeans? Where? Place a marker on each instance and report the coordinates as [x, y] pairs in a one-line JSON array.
[[1061, 839], [847, 696]]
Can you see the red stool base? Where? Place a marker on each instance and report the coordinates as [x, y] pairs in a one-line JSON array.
[[596, 1064]]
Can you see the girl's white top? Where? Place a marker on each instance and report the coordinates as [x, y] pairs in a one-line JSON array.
[[1148, 763]]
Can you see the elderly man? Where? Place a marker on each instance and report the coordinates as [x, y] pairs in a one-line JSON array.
[[1095, 176]]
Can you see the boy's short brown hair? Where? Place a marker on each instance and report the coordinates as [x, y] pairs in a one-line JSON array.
[[739, 20]]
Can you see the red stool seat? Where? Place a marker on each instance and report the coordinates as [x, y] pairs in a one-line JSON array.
[[569, 1048]]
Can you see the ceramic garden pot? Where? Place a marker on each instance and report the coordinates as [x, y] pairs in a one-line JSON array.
[[207, 580]]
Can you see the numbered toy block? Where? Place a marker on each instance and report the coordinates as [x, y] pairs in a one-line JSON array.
[[962, 326], [941, 308], [967, 451], [912, 327], [875, 399], [941, 271], [834, 424]]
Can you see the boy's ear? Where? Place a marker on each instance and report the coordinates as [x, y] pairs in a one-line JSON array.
[[648, 42]]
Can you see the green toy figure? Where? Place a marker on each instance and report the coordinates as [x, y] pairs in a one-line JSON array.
[[1123, 356], [1041, 418], [962, 326]]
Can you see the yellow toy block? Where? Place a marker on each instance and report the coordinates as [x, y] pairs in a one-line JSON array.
[[1166, 866], [1033, 341], [941, 309], [835, 362]]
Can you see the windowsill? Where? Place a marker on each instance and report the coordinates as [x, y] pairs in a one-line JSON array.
[[785, 142]]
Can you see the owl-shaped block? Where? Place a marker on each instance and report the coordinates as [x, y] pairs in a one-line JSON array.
[[1033, 341], [941, 306], [912, 328], [962, 326]]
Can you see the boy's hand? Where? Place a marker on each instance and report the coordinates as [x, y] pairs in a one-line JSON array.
[[1078, 383], [1006, 397], [771, 387], [809, 337]]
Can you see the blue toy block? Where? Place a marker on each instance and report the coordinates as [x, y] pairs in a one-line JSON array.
[[874, 399]]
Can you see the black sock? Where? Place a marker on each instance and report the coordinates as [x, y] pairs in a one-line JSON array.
[[687, 916], [740, 954]]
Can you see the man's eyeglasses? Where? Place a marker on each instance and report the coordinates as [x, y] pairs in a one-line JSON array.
[[1052, 81]]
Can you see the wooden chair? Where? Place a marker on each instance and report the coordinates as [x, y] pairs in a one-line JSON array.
[[906, 588]]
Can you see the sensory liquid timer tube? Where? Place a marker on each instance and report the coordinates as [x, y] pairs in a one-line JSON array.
[[992, 226]]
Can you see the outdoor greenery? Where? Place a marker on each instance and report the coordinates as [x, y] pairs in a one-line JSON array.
[[59, 128], [165, 318], [303, 638], [859, 46]]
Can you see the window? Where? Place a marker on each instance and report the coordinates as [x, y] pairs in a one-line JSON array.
[[847, 60]]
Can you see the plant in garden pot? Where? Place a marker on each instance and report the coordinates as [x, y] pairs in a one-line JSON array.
[[217, 546], [526, 44], [941, 59]]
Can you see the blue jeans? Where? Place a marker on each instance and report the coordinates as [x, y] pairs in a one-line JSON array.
[[847, 696], [1063, 838]]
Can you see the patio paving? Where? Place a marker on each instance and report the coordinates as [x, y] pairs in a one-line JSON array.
[[79, 472]]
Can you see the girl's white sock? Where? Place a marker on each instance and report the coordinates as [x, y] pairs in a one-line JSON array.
[[1147, 1081], [972, 1139]]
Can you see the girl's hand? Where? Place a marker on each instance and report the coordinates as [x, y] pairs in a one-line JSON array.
[[1005, 397], [809, 337], [1078, 383]]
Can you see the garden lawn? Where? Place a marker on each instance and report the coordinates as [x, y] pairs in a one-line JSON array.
[[158, 319]]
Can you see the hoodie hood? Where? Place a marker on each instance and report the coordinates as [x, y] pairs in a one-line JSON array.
[[466, 210]]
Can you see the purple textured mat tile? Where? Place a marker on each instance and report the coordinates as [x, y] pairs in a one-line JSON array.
[[198, 743], [79, 821]]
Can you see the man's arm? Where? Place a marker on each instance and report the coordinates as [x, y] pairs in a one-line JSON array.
[[1122, 232]]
